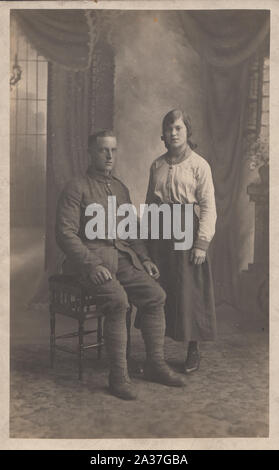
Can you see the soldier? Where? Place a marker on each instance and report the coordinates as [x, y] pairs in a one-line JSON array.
[[117, 271]]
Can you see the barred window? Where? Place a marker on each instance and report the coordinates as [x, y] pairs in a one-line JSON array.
[[265, 99], [28, 128], [258, 102]]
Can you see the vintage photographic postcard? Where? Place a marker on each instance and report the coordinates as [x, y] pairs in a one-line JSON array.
[[139, 224]]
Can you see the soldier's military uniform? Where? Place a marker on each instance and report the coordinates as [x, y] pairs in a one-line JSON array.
[[123, 258]]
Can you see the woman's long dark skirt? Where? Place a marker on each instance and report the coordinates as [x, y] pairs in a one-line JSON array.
[[190, 306]]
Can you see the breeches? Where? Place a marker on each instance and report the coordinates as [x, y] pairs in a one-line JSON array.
[[132, 285], [129, 284]]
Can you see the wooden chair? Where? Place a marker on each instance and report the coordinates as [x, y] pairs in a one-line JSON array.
[[69, 298]]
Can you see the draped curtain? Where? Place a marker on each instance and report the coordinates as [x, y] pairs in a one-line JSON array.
[[68, 128], [226, 42], [78, 103], [65, 37]]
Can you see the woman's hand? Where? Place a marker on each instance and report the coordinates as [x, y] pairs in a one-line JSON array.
[[197, 256], [152, 269]]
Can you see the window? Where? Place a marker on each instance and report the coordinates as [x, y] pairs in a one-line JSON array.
[[258, 104], [28, 128], [265, 99]]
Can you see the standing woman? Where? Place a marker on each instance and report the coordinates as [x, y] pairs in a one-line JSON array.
[[181, 176]]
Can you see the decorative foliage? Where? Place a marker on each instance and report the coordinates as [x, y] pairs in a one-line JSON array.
[[258, 153], [16, 74]]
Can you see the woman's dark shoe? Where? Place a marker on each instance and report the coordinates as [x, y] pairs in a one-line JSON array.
[[192, 362], [122, 387], [160, 372]]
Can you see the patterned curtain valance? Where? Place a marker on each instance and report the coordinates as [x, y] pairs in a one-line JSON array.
[[64, 37]]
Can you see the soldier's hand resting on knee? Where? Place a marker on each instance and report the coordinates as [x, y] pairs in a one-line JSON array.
[[100, 275], [152, 269]]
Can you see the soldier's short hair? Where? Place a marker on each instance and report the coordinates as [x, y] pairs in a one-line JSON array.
[[92, 139]]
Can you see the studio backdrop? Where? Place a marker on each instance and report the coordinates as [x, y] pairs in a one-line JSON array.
[[81, 52]]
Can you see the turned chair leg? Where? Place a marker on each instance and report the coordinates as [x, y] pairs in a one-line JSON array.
[[80, 349], [52, 337]]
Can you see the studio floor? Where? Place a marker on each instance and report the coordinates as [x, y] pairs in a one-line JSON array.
[[227, 397]]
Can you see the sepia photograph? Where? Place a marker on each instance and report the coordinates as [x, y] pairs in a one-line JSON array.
[[139, 223]]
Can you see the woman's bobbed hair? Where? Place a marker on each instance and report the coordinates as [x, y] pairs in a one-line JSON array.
[[172, 116]]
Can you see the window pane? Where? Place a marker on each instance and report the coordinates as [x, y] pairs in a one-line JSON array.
[[252, 115], [264, 131], [21, 116], [265, 119], [266, 88], [32, 53], [32, 80], [13, 116], [13, 37], [19, 173], [254, 87], [30, 161], [265, 104], [42, 80], [42, 112], [31, 116], [35, 180], [30, 173], [22, 47], [266, 62], [266, 74]]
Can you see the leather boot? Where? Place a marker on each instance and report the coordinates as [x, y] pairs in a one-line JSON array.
[[121, 386], [192, 362], [193, 359], [160, 372]]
